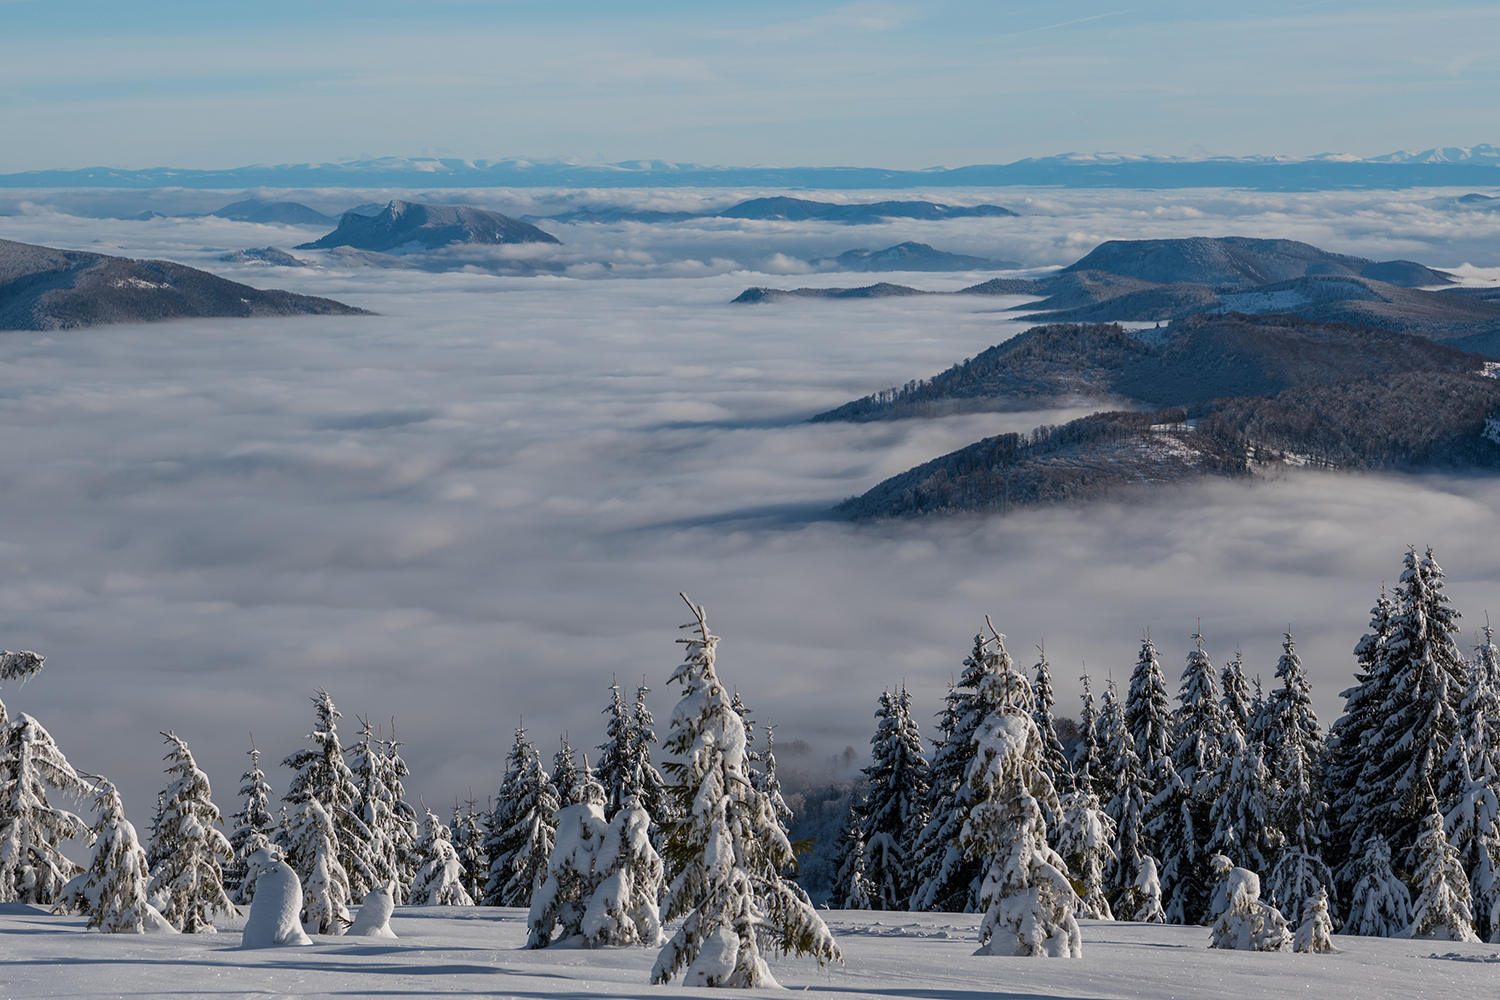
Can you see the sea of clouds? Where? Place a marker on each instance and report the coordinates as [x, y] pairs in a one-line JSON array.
[[480, 504]]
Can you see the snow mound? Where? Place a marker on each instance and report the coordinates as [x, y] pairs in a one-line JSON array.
[[374, 917], [275, 913]]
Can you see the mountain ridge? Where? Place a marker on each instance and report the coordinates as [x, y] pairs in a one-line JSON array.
[[1448, 166]]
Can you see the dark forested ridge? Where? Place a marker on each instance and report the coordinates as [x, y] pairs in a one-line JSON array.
[[46, 289], [1249, 388], [1086, 459], [1184, 364]]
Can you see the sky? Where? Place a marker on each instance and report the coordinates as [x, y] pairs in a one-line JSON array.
[[478, 507], [903, 84]]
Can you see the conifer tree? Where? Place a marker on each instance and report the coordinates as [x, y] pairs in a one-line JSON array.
[[1380, 905], [321, 773], [1182, 821], [1148, 715], [112, 892], [1088, 766], [521, 828], [566, 778], [190, 875], [439, 881], [1085, 843], [1237, 704], [1027, 899], [894, 808], [851, 889], [613, 769], [646, 785], [468, 841], [1315, 933], [729, 847], [1056, 762], [402, 829], [1443, 909], [312, 837], [623, 909], [1473, 823], [254, 828], [33, 868], [947, 879], [1242, 792], [1126, 808], [559, 903], [1420, 714], [1350, 741]]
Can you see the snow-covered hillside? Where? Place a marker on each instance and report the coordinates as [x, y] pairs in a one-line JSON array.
[[463, 951]]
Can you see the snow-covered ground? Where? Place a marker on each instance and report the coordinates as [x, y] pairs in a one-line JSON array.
[[463, 951]]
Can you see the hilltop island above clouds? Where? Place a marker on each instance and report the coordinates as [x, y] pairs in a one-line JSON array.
[[1293, 355], [46, 289]]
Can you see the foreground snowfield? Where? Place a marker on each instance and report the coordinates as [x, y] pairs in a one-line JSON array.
[[477, 952]]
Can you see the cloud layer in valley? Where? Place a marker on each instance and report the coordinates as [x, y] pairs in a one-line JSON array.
[[481, 504]]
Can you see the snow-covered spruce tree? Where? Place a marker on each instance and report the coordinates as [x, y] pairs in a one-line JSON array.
[[1315, 933], [468, 841], [623, 909], [566, 777], [1148, 893], [1248, 923], [1148, 713], [1243, 793], [1027, 899], [1085, 843], [32, 868], [613, 769], [729, 847], [1380, 905], [112, 892], [1473, 823], [254, 828], [190, 875], [1056, 761], [313, 835], [559, 903], [1126, 810], [1236, 703], [403, 828], [381, 848], [1087, 764], [1443, 909], [947, 879], [894, 808], [321, 773], [1184, 818], [851, 885], [1298, 879], [1420, 715], [1349, 749], [521, 828], [1290, 719], [439, 882], [646, 785]]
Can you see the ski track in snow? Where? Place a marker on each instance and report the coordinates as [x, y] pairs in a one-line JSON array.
[[466, 952]]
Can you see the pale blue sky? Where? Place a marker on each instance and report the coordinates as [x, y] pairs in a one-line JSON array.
[[897, 84]]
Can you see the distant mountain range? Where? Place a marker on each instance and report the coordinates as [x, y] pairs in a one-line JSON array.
[[1162, 280], [787, 210], [46, 289], [1477, 166]]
